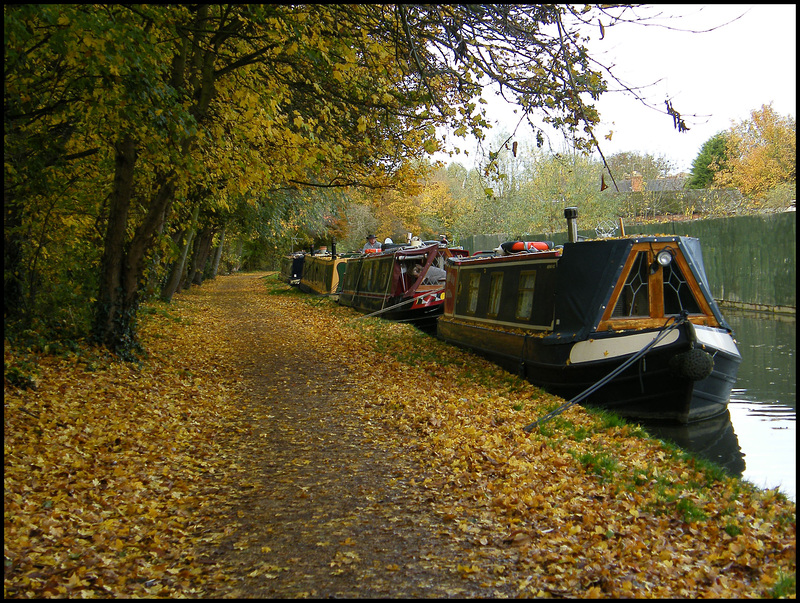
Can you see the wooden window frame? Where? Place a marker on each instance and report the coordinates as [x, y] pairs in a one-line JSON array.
[[655, 285]]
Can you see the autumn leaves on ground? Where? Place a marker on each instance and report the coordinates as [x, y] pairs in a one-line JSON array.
[[274, 444]]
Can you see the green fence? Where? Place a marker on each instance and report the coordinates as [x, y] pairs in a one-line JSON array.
[[750, 260]]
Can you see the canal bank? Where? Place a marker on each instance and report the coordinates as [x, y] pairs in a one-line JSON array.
[[314, 454]]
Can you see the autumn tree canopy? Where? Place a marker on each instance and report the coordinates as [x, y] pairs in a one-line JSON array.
[[761, 153], [122, 121]]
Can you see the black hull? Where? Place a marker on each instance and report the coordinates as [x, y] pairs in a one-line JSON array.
[[647, 390]]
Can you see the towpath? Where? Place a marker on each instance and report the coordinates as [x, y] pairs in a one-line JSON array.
[[327, 510]]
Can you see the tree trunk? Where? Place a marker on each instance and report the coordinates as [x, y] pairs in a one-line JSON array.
[[123, 264], [12, 265], [188, 274], [109, 310], [178, 267], [200, 257], [217, 255]]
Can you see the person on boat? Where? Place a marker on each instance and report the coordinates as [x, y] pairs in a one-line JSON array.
[[443, 240], [434, 276], [372, 243]]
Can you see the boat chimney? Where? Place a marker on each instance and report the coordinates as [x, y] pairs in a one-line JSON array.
[[571, 214]]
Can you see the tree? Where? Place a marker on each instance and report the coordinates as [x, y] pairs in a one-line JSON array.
[[649, 167], [761, 153], [711, 159], [120, 119]]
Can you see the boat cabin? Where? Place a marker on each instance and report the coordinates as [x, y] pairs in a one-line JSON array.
[[588, 286], [322, 273]]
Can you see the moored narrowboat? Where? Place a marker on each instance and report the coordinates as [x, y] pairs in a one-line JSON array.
[[322, 273], [566, 318], [403, 283], [292, 268]]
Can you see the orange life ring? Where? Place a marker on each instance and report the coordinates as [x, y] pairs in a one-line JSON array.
[[518, 246]]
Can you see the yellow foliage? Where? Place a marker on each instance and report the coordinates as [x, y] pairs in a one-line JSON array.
[[762, 153]]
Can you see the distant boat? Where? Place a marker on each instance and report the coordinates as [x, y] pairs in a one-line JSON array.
[[322, 273], [567, 318], [292, 268], [384, 284]]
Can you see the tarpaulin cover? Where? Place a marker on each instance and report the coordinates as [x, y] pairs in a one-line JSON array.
[[587, 273]]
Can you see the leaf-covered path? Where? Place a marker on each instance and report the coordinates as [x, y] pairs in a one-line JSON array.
[[275, 444], [327, 510]]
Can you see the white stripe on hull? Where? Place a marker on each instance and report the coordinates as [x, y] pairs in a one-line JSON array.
[[592, 350]]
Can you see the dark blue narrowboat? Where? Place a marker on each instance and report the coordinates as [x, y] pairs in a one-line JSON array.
[[566, 318], [292, 268]]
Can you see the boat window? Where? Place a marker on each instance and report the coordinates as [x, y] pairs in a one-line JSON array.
[[474, 287], [527, 280], [379, 276], [634, 299], [495, 289], [370, 272], [677, 294], [385, 276]]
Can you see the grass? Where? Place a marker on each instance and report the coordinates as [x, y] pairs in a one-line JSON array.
[[786, 586], [690, 511], [601, 464]]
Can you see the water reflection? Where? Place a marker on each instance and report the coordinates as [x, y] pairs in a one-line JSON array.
[[756, 439], [714, 440]]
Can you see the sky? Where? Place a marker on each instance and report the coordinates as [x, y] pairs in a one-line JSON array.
[[712, 78]]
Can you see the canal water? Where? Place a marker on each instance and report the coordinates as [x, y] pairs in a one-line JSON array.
[[757, 439]]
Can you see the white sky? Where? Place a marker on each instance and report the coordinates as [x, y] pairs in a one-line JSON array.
[[713, 78]]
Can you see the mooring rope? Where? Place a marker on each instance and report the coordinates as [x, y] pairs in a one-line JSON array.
[[381, 311], [593, 388]]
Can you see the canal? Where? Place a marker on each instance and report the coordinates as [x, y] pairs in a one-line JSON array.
[[757, 439]]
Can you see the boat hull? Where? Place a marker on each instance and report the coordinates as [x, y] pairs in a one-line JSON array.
[[653, 388], [422, 308]]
